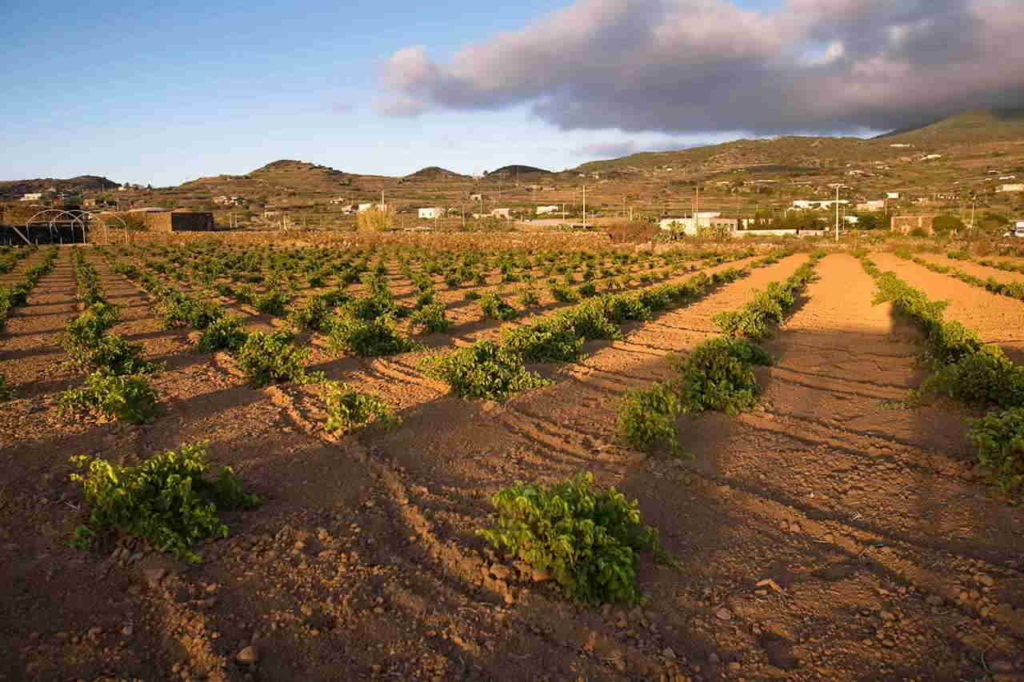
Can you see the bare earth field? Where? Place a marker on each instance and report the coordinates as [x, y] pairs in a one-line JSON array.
[[832, 533]]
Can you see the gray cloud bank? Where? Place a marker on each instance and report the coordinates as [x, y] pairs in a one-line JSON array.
[[686, 66]]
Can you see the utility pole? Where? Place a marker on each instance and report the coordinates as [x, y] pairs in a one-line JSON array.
[[584, 206], [837, 212]]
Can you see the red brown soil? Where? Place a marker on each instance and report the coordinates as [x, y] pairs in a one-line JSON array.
[[976, 269], [887, 557], [996, 318]]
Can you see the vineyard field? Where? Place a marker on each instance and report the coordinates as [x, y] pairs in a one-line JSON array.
[[826, 507]]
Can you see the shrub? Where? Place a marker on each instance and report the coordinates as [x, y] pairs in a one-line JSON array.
[[314, 314], [999, 439], [496, 309], [167, 500], [587, 321], [225, 334], [646, 419], [5, 391], [563, 293], [348, 409], [484, 370], [528, 298], [127, 398], [271, 302], [115, 355], [431, 318], [543, 342], [985, 379], [180, 310], [266, 358], [367, 338], [588, 540], [719, 375]]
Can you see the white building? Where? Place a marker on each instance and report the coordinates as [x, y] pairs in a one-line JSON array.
[[893, 195], [703, 220], [476, 197], [505, 213], [32, 196], [1016, 187], [544, 210], [431, 213], [872, 205], [807, 204]]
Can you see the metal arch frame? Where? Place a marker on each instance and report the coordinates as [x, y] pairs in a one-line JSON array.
[[99, 216], [75, 218]]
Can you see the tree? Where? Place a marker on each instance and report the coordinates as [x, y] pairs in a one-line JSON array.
[[946, 224]]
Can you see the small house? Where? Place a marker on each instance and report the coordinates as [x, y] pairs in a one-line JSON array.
[[431, 213]]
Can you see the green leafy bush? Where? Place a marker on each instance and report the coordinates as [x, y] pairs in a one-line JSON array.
[[348, 409], [588, 540], [985, 379], [167, 500], [543, 342], [563, 293], [180, 310], [999, 439], [266, 358], [719, 375], [431, 318], [127, 398], [757, 319], [272, 302], [367, 338], [484, 370], [495, 308], [646, 419], [227, 334]]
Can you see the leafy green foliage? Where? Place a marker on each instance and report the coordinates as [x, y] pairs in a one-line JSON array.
[[367, 338], [167, 500], [999, 439], [431, 318], [497, 309], [5, 391], [719, 375], [267, 358], [181, 310], [484, 370], [272, 302], [127, 398], [563, 293], [348, 409], [757, 319], [226, 333], [985, 379], [588, 540], [646, 419], [543, 343]]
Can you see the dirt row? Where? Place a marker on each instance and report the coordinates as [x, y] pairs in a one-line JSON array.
[[996, 318]]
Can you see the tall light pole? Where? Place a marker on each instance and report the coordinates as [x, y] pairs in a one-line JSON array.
[[838, 186], [584, 206]]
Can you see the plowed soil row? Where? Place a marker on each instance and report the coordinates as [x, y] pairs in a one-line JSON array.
[[997, 319]]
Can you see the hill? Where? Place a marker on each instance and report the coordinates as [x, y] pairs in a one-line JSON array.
[[14, 189], [517, 171], [970, 126], [435, 174]]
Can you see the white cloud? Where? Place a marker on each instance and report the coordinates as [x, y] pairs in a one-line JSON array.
[[682, 66]]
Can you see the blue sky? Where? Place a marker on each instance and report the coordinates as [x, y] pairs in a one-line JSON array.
[[164, 92]]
